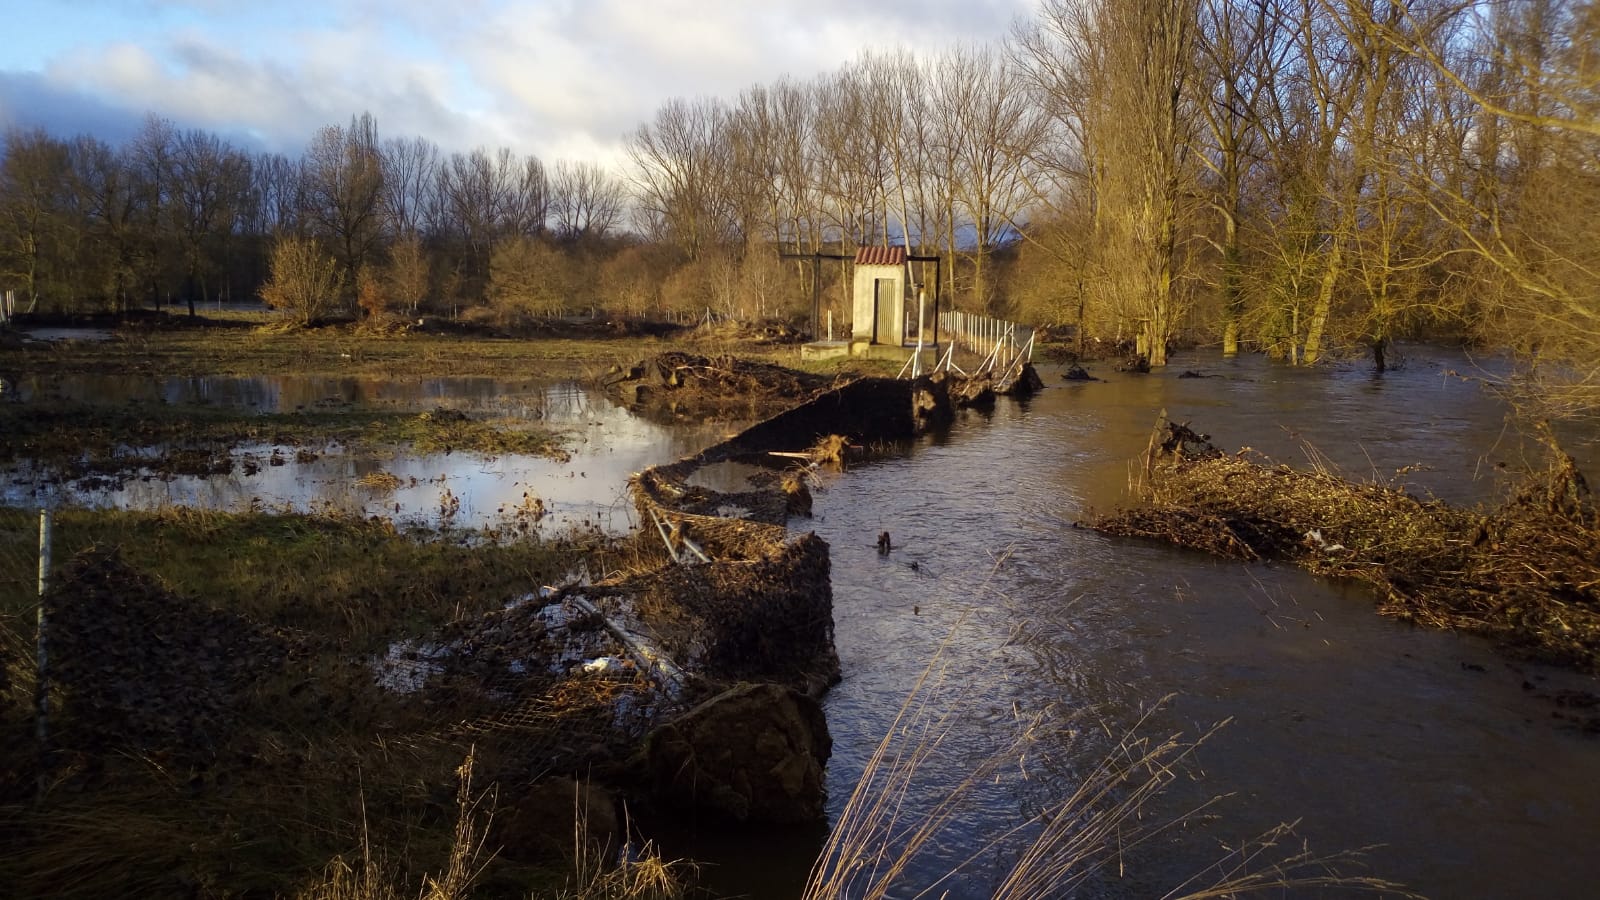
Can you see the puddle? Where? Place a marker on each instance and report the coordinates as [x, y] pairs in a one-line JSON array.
[[729, 477], [68, 334], [523, 494]]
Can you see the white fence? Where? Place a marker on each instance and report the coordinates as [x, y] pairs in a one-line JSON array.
[[1004, 347]]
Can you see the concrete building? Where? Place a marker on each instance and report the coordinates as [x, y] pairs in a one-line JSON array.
[[880, 297]]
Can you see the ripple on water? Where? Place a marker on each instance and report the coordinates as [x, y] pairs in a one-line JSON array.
[[1365, 729]]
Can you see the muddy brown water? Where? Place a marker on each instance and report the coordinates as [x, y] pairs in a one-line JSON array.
[[1448, 759], [1364, 730]]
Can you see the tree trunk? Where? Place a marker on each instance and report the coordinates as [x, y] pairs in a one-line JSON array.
[[1232, 293], [1324, 304]]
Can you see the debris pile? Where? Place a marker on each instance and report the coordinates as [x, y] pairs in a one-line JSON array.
[[768, 619], [1526, 573], [683, 383]]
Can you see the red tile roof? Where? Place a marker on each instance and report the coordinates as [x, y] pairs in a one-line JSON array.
[[881, 256]]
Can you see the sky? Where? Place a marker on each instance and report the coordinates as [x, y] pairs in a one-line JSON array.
[[563, 79]]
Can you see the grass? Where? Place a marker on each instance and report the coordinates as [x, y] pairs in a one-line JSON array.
[[317, 765], [227, 347], [357, 579], [328, 351]]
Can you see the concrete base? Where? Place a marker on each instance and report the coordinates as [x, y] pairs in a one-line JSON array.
[[825, 350], [869, 350]]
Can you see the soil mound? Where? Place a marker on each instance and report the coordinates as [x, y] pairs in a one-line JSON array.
[[684, 383], [754, 753]]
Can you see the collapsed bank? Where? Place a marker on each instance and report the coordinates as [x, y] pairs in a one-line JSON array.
[[702, 676]]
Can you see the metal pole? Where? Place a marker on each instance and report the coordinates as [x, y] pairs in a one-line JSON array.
[[922, 303], [41, 682]]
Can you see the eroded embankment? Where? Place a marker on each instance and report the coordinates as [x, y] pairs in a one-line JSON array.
[[1525, 573]]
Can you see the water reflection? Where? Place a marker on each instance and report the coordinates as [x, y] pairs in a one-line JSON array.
[[293, 393], [1366, 729], [607, 443]]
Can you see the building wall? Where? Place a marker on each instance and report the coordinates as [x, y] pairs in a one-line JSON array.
[[891, 318]]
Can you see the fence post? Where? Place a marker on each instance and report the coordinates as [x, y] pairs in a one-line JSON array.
[[41, 683]]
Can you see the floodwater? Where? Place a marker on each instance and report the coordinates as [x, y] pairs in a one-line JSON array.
[[1450, 762], [607, 444], [1423, 746]]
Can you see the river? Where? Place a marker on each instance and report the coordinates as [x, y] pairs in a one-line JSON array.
[[1423, 746]]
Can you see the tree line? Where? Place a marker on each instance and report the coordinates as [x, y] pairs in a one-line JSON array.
[[1288, 176], [185, 216]]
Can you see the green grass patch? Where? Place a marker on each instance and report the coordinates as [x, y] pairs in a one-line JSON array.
[[358, 581], [228, 349], [327, 352]]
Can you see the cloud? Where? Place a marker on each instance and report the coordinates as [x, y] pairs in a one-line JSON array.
[[560, 78], [28, 100]]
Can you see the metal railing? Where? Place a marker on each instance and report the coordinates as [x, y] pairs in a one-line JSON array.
[[1001, 347]]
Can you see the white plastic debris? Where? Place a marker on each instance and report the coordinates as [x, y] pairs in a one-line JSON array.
[[1314, 536], [606, 665]]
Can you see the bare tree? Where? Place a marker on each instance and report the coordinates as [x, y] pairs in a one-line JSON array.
[[681, 159], [280, 194], [210, 186], [1064, 64], [1147, 130], [994, 133], [527, 210], [1528, 202], [106, 201], [1239, 49], [408, 273], [150, 162], [33, 211], [586, 201], [343, 182], [410, 171]]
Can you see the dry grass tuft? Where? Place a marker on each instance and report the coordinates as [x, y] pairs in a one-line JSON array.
[[637, 875], [1090, 831], [382, 482]]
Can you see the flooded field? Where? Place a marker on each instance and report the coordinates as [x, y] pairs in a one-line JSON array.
[[1458, 766], [605, 441]]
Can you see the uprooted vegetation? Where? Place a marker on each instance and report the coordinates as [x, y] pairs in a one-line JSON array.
[[1525, 573], [685, 384]]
